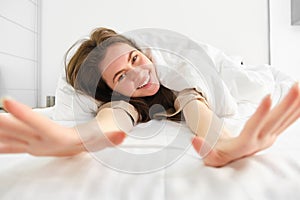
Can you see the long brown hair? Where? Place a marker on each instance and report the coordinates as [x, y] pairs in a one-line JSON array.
[[83, 73]]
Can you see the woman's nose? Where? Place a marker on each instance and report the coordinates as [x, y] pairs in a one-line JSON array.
[[137, 73], [133, 73]]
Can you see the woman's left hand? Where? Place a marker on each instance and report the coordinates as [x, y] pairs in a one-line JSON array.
[[259, 132]]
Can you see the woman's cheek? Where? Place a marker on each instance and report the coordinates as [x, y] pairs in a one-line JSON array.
[[126, 89]]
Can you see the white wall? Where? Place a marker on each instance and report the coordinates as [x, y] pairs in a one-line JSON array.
[[18, 50], [285, 39], [230, 25]]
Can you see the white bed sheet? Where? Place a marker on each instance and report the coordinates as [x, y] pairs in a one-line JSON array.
[[272, 174]]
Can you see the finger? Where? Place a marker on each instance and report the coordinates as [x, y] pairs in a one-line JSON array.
[[11, 149], [256, 122], [28, 116], [9, 139], [201, 146], [110, 139], [6, 137], [282, 112], [294, 117], [116, 138], [12, 146], [209, 155], [11, 126]]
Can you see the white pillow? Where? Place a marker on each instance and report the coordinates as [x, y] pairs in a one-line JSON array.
[[183, 63], [71, 105]]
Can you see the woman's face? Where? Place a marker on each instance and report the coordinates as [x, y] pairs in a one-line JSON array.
[[129, 72]]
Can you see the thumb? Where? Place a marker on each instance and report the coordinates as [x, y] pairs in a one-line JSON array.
[[116, 137], [111, 139], [201, 146]]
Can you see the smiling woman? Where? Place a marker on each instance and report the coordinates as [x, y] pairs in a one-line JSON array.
[[109, 67]]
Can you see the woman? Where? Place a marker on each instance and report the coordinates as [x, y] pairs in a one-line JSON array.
[[111, 69]]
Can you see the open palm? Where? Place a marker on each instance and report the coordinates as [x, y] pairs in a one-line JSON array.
[[25, 131], [259, 132]]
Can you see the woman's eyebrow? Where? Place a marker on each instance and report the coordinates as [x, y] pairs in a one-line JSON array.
[[128, 59]]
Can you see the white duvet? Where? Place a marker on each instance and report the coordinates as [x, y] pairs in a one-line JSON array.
[[175, 171]]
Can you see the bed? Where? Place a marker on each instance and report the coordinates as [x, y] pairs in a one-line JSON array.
[[164, 165]]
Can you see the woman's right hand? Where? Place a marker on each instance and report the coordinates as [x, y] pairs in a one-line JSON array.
[[25, 131]]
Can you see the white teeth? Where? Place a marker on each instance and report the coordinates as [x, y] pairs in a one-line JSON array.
[[144, 83]]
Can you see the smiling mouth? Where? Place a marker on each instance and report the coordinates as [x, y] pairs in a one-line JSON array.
[[144, 83]]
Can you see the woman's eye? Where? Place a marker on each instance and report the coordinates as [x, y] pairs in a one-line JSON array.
[[121, 77], [134, 59]]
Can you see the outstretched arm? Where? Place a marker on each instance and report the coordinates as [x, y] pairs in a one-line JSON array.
[[259, 133], [25, 131]]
